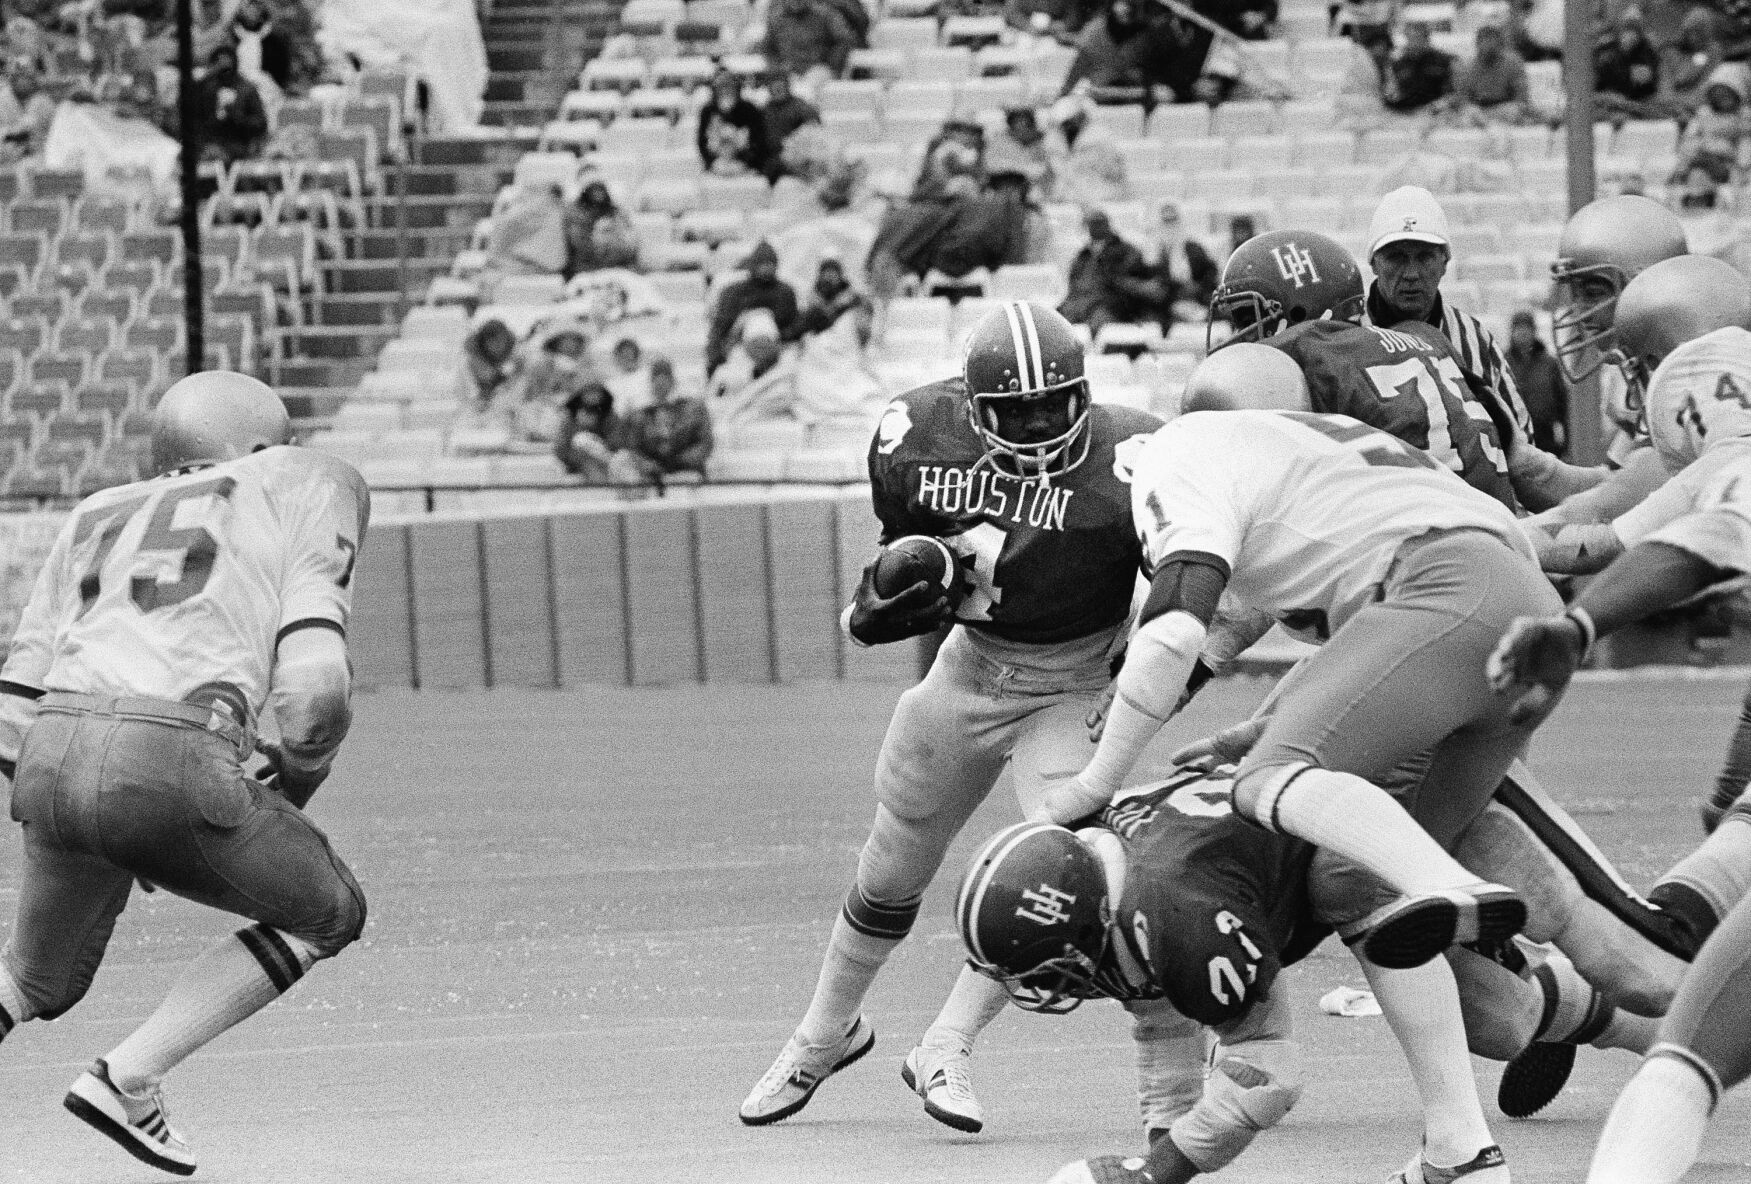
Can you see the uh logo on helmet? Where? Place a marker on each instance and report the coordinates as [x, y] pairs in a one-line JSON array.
[[1033, 914], [1027, 398], [1604, 246], [1279, 279], [1680, 327]]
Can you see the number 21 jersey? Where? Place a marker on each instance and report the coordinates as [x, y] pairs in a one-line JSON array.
[[1045, 561], [1304, 512], [156, 588]]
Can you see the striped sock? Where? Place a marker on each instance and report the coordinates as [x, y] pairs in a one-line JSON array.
[[224, 986], [864, 935]]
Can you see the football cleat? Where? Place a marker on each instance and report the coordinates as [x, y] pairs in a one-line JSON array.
[[139, 1124], [943, 1078], [1533, 1079], [799, 1071], [1488, 1166], [1413, 929], [1104, 1169]]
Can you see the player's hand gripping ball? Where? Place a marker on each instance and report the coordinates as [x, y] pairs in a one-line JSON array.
[[909, 589]]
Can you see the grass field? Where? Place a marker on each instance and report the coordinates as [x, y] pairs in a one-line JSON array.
[[597, 914]]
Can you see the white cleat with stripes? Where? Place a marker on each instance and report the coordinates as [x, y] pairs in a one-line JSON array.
[[139, 1124]]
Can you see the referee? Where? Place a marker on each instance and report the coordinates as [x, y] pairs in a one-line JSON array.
[[1408, 252]]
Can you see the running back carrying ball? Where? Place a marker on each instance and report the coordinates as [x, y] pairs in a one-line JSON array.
[[916, 557]]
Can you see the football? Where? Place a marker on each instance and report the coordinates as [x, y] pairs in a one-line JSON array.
[[915, 557]]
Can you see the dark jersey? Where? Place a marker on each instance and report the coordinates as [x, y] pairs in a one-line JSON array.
[[1045, 561], [1213, 907], [1406, 381]]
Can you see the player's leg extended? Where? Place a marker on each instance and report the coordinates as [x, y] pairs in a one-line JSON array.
[[942, 753], [1399, 678], [1050, 744], [1709, 883], [1704, 1049]]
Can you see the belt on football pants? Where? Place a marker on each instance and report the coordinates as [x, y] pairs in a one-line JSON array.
[[164, 711]]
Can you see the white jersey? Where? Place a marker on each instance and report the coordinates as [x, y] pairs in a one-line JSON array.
[[1304, 512], [156, 588], [1705, 509]]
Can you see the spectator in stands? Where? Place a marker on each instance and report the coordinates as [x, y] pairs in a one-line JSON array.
[[25, 111], [493, 360], [1088, 168], [1020, 150], [810, 39], [1123, 53], [629, 376], [1540, 381], [1491, 87], [1185, 274], [232, 119], [732, 133], [762, 289], [785, 113], [558, 366], [856, 19], [1690, 60], [1715, 148], [264, 50], [1361, 100], [1418, 75], [671, 434], [1409, 253], [1533, 32], [754, 347], [1626, 71], [954, 162], [597, 233], [528, 234], [831, 298], [1109, 279], [1060, 20], [593, 441], [1242, 228]]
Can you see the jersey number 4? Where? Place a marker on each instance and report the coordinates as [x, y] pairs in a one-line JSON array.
[[983, 546], [192, 550]]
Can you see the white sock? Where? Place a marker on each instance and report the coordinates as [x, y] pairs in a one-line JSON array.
[[1359, 821], [971, 1006], [13, 1009], [224, 986], [1720, 869], [1422, 1007], [1655, 1129], [853, 960]]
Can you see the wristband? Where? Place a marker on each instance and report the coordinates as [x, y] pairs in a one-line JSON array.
[[1583, 620]]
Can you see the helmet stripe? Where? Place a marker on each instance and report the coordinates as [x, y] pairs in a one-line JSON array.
[[973, 900], [1033, 340], [1018, 342]]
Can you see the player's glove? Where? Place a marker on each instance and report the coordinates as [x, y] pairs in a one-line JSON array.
[[1538, 656], [913, 612], [1224, 748], [297, 788]]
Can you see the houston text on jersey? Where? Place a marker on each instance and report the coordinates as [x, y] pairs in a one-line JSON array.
[[948, 489]]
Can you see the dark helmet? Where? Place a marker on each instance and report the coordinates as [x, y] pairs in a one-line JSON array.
[[1285, 277]]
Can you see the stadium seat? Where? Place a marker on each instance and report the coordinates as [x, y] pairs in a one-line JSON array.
[[535, 170], [621, 74], [159, 335], [1487, 269], [23, 250], [1180, 121], [917, 317], [160, 245], [650, 102], [1305, 117], [603, 106], [944, 63], [1286, 184], [90, 251], [80, 336], [909, 125], [40, 398], [382, 116], [850, 95], [1027, 281], [1246, 117], [1123, 121], [685, 72], [906, 34], [137, 370], [674, 197], [734, 193], [56, 184], [646, 134], [979, 95], [935, 97], [36, 217], [528, 289], [974, 32], [1323, 150], [100, 215], [711, 226], [425, 322], [300, 113], [876, 65], [109, 399]]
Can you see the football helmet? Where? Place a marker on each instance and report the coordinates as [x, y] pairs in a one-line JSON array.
[[1027, 398], [1671, 302], [216, 415], [1282, 278], [1604, 246], [1247, 376], [1034, 915]]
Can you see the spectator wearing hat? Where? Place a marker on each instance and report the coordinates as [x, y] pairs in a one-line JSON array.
[[592, 441], [761, 289], [1109, 280], [1020, 150], [831, 298], [1086, 162], [1626, 71], [755, 348], [232, 120], [1715, 148], [731, 133], [808, 38], [1418, 75], [1688, 62], [1185, 274], [672, 434], [1408, 251], [1540, 381], [598, 234]]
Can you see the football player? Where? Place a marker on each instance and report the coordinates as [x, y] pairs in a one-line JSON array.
[[1185, 912], [1406, 380], [169, 616], [1015, 468], [1683, 541]]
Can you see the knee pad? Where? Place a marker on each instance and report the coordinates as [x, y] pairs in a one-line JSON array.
[[902, 855], [340, 924], [1248, 1090]]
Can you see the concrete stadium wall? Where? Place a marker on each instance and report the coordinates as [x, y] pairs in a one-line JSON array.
[[643, 594]]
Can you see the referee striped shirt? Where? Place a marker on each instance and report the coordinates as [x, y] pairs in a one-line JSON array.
[[1475, 345]]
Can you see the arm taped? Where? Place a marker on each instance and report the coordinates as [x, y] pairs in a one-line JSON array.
[[312, 697], [1158, 666], [1188, 581], [1251, 1087], [1170, 1061], [1578, 548]]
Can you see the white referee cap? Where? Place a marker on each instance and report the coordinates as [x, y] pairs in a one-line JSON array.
[[1407, 214]]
